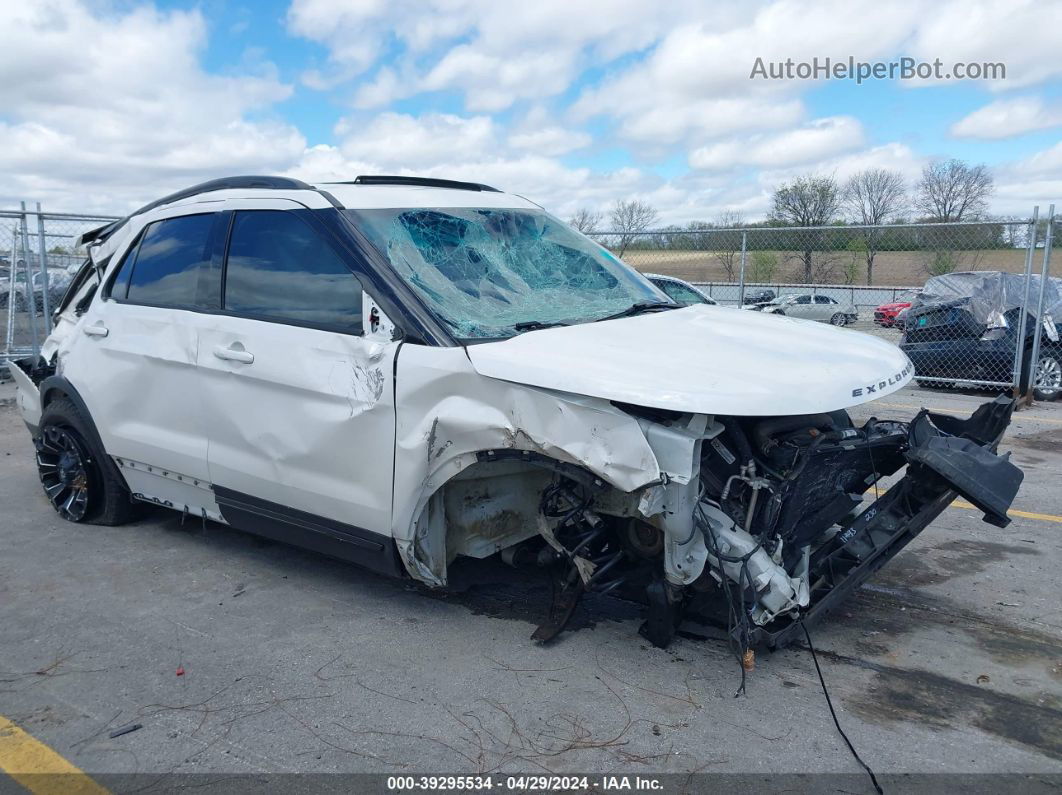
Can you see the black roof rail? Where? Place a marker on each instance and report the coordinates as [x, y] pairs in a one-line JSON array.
[[224, 183], [425, 182], [228, 183]]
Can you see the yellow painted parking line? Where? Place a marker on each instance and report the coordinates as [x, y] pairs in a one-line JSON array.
[[1042, 517], [1017, 415], [38, 768]]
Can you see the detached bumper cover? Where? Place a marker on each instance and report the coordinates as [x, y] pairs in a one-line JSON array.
[[947, 457]]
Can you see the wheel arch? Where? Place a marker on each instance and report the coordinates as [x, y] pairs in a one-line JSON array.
[[55, 387], [437, 531]]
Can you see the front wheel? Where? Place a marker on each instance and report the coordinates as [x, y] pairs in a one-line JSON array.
[[839, 319], [75, 473], [1047, 381]]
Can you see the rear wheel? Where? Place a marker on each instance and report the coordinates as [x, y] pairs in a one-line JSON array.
[[839, 319], [75, 473]]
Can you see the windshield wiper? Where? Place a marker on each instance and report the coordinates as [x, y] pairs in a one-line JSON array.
[[638, 307], [534, 325]]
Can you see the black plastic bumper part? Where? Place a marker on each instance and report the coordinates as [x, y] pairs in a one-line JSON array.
[[947, 457]]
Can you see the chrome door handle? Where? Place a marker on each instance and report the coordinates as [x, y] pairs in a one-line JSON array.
[[233, 354], [96, 330]]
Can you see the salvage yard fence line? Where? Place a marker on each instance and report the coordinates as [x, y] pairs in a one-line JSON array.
[[847, 270], [38, 258]]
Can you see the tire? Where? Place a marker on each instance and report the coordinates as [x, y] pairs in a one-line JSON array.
[[839, 319], [1047, 379], [77, 477]]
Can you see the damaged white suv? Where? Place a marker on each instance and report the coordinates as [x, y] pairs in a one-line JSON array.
[[400, 371]]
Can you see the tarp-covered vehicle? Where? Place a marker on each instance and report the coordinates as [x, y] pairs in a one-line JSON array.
[[967, 327], [399, 372]]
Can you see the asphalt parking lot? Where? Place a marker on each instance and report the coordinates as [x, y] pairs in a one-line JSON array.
[[240, 655]]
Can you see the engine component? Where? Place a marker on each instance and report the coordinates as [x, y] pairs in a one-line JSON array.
[[741, 558]]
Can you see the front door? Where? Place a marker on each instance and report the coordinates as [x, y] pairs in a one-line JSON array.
[[801, 307], [299, 404]]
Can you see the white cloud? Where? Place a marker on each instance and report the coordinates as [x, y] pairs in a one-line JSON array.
[[494, 53], [118, 105], [1008, 117], [404, 140], [106, 105], [1036, 179], [696, 83], [1022, 34], [812, 142], [550, 140]]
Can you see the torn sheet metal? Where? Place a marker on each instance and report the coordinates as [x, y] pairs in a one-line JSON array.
[[447, 414]]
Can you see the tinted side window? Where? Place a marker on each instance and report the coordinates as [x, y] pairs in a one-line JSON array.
[[278, 267], [167, 264], [803, 299], [823, 299], [680, 293], [120, 285]]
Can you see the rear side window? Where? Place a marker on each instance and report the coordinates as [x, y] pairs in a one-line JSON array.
[[279, 268], [166, 267], [823, 299]]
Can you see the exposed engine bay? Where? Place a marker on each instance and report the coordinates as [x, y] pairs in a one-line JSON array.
[[773, 522]]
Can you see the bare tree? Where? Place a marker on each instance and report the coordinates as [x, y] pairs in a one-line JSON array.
[[874, 197], [952, 190], [727, 243], [628, 219], [808, 201], [586, 221]]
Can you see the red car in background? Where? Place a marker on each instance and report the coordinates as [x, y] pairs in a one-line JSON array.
[[885, 315]]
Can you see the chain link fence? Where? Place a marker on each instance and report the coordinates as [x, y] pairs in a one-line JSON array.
[[989, 328], [38, 258], [996, 327]]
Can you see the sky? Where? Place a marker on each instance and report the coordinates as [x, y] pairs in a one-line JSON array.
[[106, 105]]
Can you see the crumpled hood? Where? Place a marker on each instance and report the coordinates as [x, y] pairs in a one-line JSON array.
[[703, 359]]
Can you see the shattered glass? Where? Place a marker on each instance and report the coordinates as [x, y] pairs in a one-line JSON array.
[[484, 271]]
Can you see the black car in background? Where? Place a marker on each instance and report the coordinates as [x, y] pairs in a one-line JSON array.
[[966, 326], [759, 296]]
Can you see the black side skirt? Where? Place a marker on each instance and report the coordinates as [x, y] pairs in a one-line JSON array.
[[316, 533]]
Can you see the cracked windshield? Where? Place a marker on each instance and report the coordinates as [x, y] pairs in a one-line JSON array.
[[492, 273]]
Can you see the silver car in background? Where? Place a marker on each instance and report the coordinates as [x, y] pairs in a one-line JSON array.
[[806, 306]]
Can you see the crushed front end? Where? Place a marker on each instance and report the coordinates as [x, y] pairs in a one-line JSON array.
[[768, 516]]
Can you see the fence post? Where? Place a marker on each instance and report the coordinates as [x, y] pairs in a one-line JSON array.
[[1034, 354], [1019, 347], [42, 248], [31, 299], [741, 278], [9, 337]]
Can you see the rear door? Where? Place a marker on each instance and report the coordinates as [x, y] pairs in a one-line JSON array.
[[300, 404], [133, 359]]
